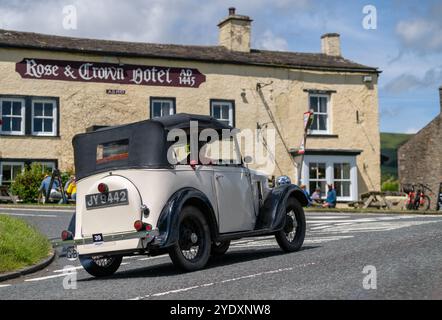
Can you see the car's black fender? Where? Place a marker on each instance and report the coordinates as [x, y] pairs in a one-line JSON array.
[[169, 218], [272, 212]]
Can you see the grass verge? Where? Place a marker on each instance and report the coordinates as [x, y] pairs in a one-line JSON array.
[[21, 245]]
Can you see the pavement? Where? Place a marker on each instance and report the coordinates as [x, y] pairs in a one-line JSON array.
[[345, 256]]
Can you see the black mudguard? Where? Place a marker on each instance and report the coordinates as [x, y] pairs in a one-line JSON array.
[[272, 213], [168, 221]]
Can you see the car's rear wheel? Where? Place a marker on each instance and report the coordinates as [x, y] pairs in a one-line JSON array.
[[291, 237], [192, 250], [220, 248], [101, 266]]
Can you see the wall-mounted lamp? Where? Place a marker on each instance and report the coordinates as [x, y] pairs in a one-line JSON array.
[[368, 79]]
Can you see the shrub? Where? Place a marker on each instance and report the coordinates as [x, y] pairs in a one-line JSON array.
[[390, 185], [27, 183]]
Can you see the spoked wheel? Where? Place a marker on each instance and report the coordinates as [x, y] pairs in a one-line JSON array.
[[220, 248], [424, 204], [291, 237], [192, 250], [101, 266]]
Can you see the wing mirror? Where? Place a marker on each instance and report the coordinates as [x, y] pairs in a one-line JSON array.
[[248, 159]]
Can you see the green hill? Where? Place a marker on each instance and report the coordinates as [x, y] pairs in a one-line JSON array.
[[390, 142]]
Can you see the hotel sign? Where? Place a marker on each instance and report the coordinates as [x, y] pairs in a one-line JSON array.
[[109, 73]]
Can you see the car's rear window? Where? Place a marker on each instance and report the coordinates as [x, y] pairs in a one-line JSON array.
[[113, 151]]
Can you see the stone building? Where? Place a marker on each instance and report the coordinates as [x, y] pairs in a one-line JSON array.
[[420, 158], [53, 87]]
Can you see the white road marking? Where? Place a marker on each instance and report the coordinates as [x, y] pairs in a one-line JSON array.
[[38, 210], [152, 258], [368, 226], [68, 269], [28, 215], [250, 276], [45, 278], [268, 243], [4, 285], [327, 217]]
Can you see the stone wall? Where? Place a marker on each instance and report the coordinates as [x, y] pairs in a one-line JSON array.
[[420, 158]]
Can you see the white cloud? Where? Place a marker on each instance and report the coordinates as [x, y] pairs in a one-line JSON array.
[[269, 41], [422, 34], [407, 81]]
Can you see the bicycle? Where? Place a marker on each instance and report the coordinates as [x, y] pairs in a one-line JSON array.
[[417, 198]]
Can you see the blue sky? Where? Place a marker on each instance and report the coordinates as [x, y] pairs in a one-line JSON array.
[[406, 46]]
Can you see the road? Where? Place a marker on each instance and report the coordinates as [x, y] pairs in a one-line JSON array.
[[403, 252]]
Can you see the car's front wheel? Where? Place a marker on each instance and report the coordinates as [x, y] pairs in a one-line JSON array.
[[291, 237], [192, 250], [101, 266]]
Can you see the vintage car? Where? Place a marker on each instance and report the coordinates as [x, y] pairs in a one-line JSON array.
[[138, 194]]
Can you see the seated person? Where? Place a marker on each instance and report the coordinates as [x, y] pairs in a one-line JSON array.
[[71, 191], [316, 197], [330, 202]]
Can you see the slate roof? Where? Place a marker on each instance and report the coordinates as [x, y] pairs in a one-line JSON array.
[[211, 54]]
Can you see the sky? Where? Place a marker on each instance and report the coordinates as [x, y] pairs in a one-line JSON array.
[[405, 43]]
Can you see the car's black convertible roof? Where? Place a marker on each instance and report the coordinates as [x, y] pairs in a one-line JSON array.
[[147, 143], [182, 121]]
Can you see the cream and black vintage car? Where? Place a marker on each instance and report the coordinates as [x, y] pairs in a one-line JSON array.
[[141, 193]]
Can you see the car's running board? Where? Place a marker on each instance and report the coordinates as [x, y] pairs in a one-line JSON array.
[[244, 234]]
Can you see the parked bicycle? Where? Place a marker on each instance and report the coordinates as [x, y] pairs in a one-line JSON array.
[[417, 197]]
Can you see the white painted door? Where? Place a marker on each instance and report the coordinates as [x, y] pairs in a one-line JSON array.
[[234, 199]]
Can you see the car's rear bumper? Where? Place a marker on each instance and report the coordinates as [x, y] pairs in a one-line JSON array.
[[131, 241]]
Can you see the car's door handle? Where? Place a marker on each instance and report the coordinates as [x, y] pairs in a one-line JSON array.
[[219, 176]]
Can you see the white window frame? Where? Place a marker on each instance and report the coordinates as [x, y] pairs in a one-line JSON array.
[[221, 103], [23, 117], [341, 179], [9, 163], [48, 164], [172, 106], [317, 180], [328, 113], [54, 118], [330, 160]]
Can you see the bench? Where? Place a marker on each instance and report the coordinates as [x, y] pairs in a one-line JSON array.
[[6, 196]]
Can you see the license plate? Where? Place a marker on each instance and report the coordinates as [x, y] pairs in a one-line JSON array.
[[97, 238], [110, 199]]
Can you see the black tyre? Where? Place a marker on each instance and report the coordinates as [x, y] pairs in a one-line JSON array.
[[101, 266], [220, 248], [424, 204], [291, 237], [192, 250]]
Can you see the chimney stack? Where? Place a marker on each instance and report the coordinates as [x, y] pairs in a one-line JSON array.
[[331, 44], [235, 32]]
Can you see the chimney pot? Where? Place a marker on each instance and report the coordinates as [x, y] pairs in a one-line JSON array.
[[232, 11]]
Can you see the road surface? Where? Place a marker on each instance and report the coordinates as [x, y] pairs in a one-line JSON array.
[[401, 257]]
